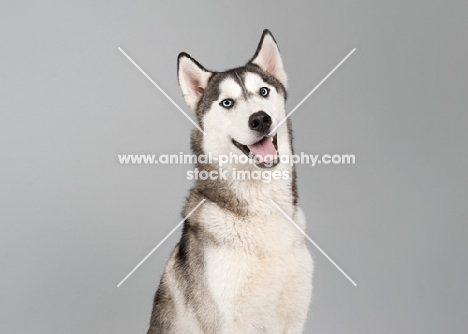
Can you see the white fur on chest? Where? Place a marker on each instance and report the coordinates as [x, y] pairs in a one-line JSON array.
[[261, 267]]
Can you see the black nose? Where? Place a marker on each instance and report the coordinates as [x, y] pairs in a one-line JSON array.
[[260, 121]]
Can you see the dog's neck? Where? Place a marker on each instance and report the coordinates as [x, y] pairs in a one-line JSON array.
[[246, 197]]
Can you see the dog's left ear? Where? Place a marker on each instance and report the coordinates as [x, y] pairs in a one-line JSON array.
[[193, 79], [268, 58]]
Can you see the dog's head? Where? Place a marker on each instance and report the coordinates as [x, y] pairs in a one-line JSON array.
[[239, 109]]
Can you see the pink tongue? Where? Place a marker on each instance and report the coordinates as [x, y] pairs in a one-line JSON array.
[[264, 150]]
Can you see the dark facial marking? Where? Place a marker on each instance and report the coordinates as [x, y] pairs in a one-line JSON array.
[[244, 90], [212, 91]]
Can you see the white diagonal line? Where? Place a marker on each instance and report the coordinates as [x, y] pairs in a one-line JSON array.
[[162, 241], [313, 90], [160, 89], [313, 242]]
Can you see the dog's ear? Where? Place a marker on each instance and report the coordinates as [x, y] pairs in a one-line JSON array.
[[193, 79], [268, 58]]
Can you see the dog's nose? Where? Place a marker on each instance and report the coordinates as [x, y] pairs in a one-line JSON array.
[[260, 121]]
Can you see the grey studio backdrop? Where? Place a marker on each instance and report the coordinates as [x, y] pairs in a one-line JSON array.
[[74, 221]]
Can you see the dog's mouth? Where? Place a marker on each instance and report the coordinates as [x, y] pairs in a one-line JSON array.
[[264, 152]]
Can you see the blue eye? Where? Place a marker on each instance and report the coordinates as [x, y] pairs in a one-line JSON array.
[[264, 91], [227, 103]]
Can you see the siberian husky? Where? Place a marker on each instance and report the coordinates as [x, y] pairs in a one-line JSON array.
[[240, 267]]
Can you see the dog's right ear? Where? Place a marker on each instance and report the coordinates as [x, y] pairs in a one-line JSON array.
[[268, 58], [193, 79]]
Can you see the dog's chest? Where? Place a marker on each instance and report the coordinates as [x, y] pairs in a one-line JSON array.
[[253, 268]]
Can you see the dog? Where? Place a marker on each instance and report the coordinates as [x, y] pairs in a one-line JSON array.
[[240, 266]]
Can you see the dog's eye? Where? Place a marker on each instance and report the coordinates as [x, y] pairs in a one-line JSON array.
[[264, 91], [227, 103]]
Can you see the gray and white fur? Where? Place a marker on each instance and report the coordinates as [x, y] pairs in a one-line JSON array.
[[240, 265]]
